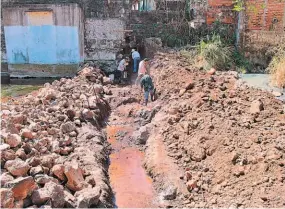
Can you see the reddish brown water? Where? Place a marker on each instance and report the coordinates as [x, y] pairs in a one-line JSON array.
[[132, 186]]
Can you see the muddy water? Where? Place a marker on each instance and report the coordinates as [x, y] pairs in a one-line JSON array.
[[130, 183], [262, 81]]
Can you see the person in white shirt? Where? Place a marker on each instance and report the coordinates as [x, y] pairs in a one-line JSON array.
[[136, 57], [122, 66], [143, 69]]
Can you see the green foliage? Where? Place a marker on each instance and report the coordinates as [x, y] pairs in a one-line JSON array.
[[241, 62], [17, 90], [215, 53], [182, 34], [187, 10], [226, 32], [238, 5]]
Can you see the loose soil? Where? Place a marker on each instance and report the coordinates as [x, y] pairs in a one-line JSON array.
[[208, 141]]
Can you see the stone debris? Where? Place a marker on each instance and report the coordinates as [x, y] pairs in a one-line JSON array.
[[39, 154], [88, 197], [227, 137]]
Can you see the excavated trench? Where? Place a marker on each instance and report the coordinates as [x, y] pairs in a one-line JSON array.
[[131, 185]]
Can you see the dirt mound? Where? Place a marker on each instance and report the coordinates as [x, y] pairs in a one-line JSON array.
[[228, 138], [53, 152]]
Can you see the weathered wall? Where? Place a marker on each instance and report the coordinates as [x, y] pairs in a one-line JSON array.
[[51, 33], [43, 35], [103, 40], [92, 22]]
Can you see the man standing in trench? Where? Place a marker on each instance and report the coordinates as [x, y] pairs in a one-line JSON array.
[[136, 58], [147, 86], [122, 68], [143, 69]]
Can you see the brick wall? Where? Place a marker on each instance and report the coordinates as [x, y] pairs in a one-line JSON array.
[[265, 15], [263, 28], [221, 10]]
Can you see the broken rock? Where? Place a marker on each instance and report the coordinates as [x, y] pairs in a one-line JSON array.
[[36, 170], [44, 179], [142, 135], [47, 161], [67, 127], [256, 106], [21, 154], [87, 114], [18, 204], [189, 85], [4, 147], [58, 171], [7, 199], [56, 193], [192, 184], [26, 133], [8, 155], [88, 197], [92, 102], [22, 187], [13, 140], [17, 167], [170, 193], [69, 200], [40, 196], [5, 178], [19, 119], [212, 71], [74, 176]]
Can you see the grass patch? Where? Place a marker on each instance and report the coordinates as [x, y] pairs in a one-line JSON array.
[[211, 53], [17, 90], [215, 53], [276, 69]]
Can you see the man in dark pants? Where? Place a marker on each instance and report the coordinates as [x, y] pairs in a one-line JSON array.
[[147, 86], [136, 58], [121, 70]]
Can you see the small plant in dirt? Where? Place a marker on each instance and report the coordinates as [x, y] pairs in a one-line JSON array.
[[276, 67], [190, 55], [242, 64], [214, 53]]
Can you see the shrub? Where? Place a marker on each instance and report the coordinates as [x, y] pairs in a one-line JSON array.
[[276, 68], [243, 65], [215, 53]]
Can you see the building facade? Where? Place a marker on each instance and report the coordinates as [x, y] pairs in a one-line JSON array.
[[50, 38]]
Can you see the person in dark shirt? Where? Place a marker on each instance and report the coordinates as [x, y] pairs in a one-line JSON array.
[[148, 87]]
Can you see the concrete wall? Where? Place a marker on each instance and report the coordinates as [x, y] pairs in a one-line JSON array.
[[43, 35], [103, 38]]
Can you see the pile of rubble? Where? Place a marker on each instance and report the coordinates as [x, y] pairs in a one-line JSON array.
[[53, 153], [228, 138]]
